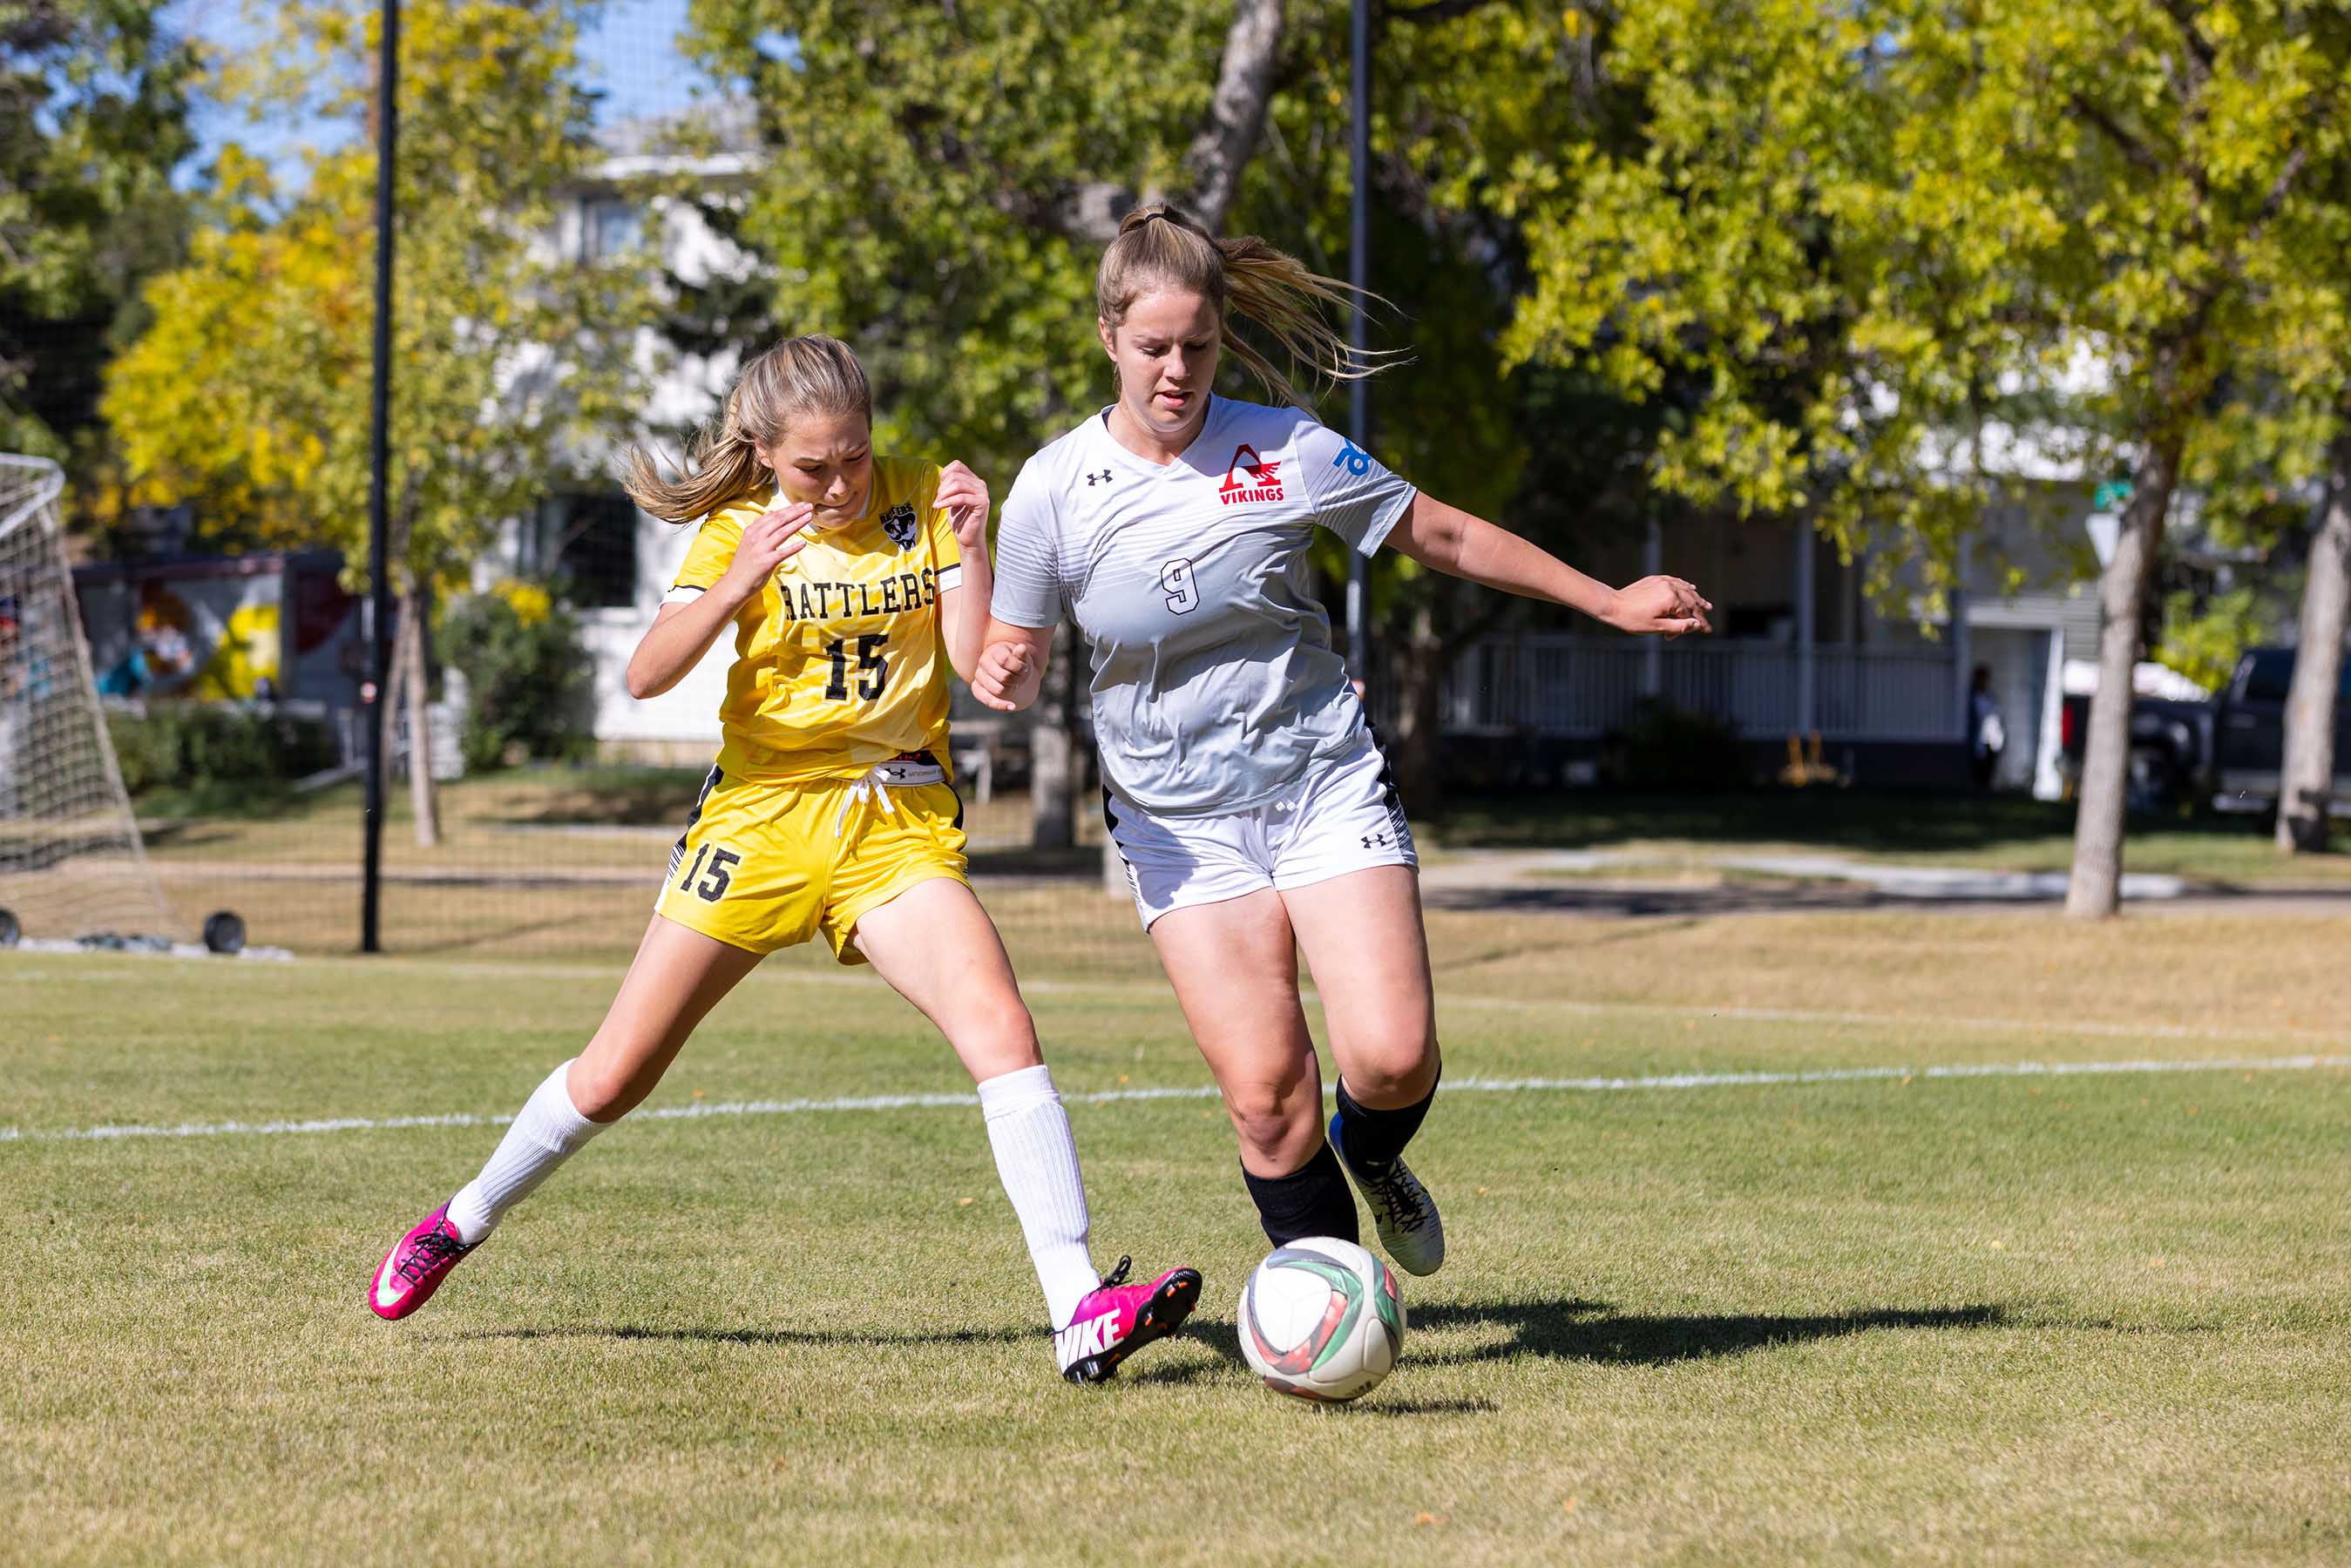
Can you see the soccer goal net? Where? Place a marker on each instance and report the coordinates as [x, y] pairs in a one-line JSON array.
[[71, 867]]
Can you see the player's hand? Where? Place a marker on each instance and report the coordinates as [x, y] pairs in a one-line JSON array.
[[1007, 677], [963, 496], [1666, 606], [768, 541]]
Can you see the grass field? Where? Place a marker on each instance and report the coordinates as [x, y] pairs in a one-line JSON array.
[[2038, 1317], [560, 863]]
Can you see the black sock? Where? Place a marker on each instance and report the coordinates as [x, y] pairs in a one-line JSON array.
[[1373, 1138], [1313, 1200]]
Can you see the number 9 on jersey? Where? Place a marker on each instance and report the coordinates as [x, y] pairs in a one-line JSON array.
[[1183, 591]]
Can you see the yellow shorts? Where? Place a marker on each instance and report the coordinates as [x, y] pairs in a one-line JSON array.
[[763, 867]]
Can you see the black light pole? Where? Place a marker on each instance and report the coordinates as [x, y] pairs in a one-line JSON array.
[[379, 491], [1359, 273]]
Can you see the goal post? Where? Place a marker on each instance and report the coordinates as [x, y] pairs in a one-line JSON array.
[[71, 864]]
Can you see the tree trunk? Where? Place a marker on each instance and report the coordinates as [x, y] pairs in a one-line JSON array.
[[423, 801], [395, 688], [1090, 212], [1418, 756], [1237, 113], [2306, 778], [1053, 748], [2095, 888]]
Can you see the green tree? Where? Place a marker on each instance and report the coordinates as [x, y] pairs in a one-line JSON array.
[[93, 118], [898, 205], [2312, 340], [514, 365], [956, 243], [1949, 230], [1462, 94]]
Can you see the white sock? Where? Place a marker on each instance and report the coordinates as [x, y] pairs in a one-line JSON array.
[[1038, 1162], [548, 1131]]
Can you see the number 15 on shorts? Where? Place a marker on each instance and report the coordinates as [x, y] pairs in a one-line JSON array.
[[709, 882]]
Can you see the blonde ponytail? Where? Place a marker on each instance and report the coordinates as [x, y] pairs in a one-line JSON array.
[[1160, 247], [797, 378]]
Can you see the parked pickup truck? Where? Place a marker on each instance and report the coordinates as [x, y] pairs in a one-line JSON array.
[[2249, 730], [2228, 751], [2172, 749]]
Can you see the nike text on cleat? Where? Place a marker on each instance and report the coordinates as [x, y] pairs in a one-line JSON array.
[[1402, 1211], [1117, 1319], [416, 1267]]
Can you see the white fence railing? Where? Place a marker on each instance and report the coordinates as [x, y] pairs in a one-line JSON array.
[[1588, 686]]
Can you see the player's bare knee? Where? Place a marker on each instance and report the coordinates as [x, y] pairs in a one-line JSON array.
[[1002, 1040], [1273, 1119], [603, 1091], [1009, 1023], [1391, 1067]]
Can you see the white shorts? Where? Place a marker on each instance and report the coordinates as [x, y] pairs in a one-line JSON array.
[[1342, 815]]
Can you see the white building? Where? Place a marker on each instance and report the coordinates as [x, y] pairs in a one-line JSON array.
[[617, 561], [1799, 649]]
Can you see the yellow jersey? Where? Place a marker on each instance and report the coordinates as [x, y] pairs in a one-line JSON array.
[[839, 660]]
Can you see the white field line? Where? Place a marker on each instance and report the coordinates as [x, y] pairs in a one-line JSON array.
[[1206, 1091]]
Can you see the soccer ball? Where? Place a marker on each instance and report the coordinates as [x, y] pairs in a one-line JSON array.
[[1321, 1319]]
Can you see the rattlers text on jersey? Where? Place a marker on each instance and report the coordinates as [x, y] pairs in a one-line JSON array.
[[839, 661]]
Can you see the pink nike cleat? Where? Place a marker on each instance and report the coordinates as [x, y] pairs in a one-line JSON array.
[[1117, 1319], [414, 1268]]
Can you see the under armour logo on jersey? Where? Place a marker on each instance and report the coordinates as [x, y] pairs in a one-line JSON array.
[[1094, 479], [899, 523]]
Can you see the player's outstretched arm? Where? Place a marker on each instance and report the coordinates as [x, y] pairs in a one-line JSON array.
[[1012, 667], [1450, 540], [682, 634], [963, 609]]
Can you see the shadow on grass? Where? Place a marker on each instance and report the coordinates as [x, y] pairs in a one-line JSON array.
[[1693, 903], [602, 797], [1010, 860], [772, 1336], [1883, 822], [1573, 1330], [1595, 1331], [1577, 1330], [489, 937], [1220, 1338], [1395, 1407]]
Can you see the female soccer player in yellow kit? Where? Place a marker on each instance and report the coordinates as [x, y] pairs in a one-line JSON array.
[[853, 582]]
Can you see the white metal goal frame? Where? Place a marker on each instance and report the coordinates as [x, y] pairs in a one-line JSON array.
[[72, 864]]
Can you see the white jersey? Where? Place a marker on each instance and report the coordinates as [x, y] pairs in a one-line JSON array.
[[1215, 684]]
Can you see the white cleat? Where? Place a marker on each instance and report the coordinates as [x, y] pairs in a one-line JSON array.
[[1402, 1211]]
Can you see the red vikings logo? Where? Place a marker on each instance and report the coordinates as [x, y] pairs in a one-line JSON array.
[[1249, 478]]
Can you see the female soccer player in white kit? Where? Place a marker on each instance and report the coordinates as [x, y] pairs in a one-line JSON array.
[[1243, 785], [844, 577]]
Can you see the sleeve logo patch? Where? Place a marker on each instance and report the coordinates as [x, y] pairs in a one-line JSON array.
[[899, 523]]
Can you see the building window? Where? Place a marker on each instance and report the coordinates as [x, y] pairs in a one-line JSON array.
[[586, 544], [609, 227]]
